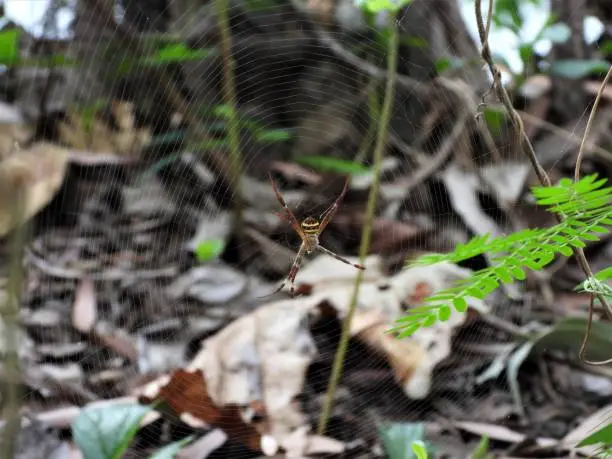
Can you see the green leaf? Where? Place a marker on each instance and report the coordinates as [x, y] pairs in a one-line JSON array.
[[446, 63], [604, 275], [408, 330], [378, 6], [504, 274], [515, 361], [482, 449], [419, 449], [397, 439], [495, 117], [578, 68], [171, 450], [557, 33], [327, 164], [526, 52], [260, 5], [567, 335], [429, 321], [460, 304], [603, 435], [565, 250], [444, 313], [9, 47], [209, 249], [273, 135], [105, 433], [178, 52], [517, 272]]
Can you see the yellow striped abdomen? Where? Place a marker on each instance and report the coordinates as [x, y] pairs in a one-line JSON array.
[[310, 226]]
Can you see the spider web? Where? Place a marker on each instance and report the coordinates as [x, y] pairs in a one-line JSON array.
[[146, 223]]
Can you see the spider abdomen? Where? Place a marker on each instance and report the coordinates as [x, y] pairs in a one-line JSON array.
[[310, 226]]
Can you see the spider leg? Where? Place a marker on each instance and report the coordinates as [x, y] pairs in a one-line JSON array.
[[293, 221], [338, 257], [295, 267], [297, 263], [331, 211]]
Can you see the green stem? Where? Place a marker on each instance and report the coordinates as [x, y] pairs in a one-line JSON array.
[[366, 234], [229, 94], [10, 316]]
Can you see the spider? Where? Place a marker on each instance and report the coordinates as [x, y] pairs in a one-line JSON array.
[[309, 231]]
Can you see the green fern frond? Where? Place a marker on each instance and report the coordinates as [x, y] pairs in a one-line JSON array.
[[585, 208]]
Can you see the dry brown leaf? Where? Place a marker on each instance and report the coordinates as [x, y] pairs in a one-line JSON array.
[[85, 308], [262, 358], [187, 393], [204, 446], [501, 433], [323, 10], [39, 172], [13, 129], [591, 424], [294, 171], [592, 88], [96, 136]]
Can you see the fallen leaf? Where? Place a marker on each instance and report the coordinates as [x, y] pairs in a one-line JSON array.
[[13, 129], [84, 308], [38, 172], [592, 88], [187, 393], [501, 433], [170, 451], [588, 426], [105, 432], [567, 335], [85, 130], [204, 446]]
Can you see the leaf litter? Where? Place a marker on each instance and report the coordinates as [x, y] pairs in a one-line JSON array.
[[110, 310]]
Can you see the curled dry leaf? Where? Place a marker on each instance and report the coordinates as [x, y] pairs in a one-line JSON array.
[[13, 129], [84, 309], [187, 393], [85, 316], [261, 359], [39, 172], [87, 131]]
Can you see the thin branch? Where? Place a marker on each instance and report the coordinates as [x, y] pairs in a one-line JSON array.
[[570, 136], [503, 96], [587, 130], [229, 92], [589, 125], [366, 235], [11, 393]]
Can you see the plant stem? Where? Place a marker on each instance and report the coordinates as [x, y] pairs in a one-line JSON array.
[[10, 317], [229, 93], [366, 234]]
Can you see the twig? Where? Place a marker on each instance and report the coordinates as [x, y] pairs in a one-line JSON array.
[[517, 122], [229, 92], [587, 334], [366, 234], [577, 178], [10, 316], [589, 125], [107, 275], [570, 136]]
